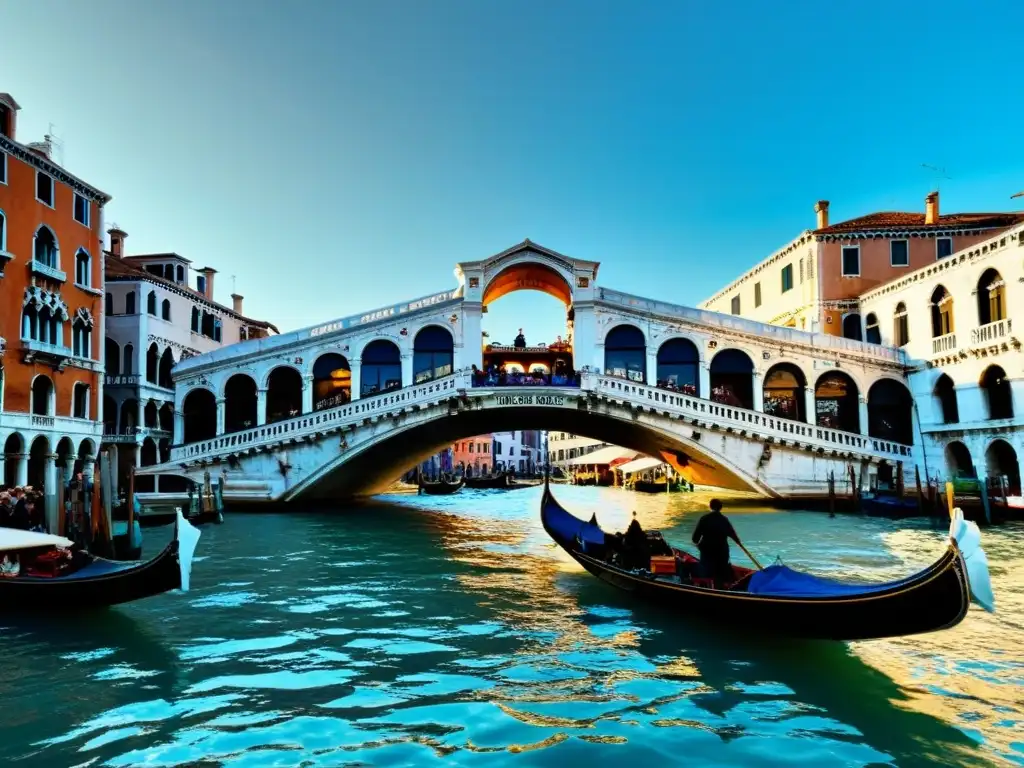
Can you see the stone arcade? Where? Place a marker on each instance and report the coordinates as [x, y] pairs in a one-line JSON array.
[[343, 408]]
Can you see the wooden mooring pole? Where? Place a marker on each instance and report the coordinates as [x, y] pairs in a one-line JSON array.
[[831, 494]]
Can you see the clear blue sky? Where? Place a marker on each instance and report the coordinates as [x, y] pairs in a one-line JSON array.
[[338, 156]]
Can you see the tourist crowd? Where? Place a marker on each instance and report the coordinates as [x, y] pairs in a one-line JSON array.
[[21, 508]]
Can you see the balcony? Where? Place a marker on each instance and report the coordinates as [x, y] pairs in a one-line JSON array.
[[944, 344], [991, 331], [41, 351], [55, 425], [121, 381], [40, 269]]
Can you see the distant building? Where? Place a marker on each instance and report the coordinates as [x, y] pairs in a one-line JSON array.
[[154, 320], [962, 321], [522, 451], [51, 318], [562, 447], [473, 455], [814, 282]]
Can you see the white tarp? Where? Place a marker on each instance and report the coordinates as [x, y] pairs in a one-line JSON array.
[[603, 456], [12, 539], [639, 465]]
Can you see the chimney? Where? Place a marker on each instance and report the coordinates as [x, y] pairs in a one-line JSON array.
[[41, 148], [207, 285], [236, 303], [117, 238], [931, 208], [8, 115], [821, 208]]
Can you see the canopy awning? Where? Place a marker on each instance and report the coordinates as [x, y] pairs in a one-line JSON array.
[[638, 465], [12, 540], [606, 455]]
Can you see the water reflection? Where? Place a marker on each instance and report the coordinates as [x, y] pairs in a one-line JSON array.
[[417, 629]]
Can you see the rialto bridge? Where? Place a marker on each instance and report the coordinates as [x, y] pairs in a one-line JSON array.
[[343, 408]]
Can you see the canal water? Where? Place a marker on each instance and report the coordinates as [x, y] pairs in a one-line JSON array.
[[449, 631]]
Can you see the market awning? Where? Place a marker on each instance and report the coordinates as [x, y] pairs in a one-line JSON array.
[[603, 456], [639, 465]]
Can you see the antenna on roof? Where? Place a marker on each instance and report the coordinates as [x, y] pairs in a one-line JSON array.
[[233, 284], [940, 174], [56, 145]]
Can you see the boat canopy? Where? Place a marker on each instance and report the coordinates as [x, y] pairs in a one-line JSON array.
[[782, 581], [639, 465], [12, 540], [603, 456]]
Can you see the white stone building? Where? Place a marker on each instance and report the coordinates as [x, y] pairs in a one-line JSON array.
[[154, 319], [960, 321], [564, 446], [520, 450]]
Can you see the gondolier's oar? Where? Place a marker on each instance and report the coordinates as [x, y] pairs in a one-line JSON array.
[[752, 558]]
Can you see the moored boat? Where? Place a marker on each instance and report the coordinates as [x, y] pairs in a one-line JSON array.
[[41, 572], [488, 482], [441, 487], [781, 600]]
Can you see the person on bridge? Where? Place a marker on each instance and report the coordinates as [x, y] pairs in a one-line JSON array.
[[712, 536], [520, 342]]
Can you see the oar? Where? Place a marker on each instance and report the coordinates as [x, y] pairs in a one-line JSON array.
[[752, 558]]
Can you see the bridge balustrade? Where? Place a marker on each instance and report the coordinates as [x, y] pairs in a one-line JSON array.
[[740, 419], [485, 379]]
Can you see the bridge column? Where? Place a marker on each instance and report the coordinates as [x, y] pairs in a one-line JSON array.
[[652, 367], [179, 427], [862, 403], [307, 393], [704, 382], [50, 491], [261, 407], [356, 368], [221, 402], [407, 369], [469, 351], [810, 407], [757, 386]]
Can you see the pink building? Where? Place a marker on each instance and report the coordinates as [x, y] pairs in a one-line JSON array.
[[473, 455]]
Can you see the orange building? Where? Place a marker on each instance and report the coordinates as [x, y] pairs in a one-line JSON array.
[[51, 319], [473, 456], [815, 281]]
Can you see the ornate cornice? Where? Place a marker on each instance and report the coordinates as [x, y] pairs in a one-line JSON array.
[[186, 351], [27, 156]]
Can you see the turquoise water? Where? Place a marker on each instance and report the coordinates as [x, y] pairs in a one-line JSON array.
[[449, 631]]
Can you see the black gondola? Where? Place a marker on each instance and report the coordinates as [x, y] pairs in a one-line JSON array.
[[781, 600], [489, 482], [658, 486], [440, 488], [53, 577]]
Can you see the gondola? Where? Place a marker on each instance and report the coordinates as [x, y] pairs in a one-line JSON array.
[[784, 601], [53, 577], [488, 482], [655, 486], [440, 488], [891, 507]]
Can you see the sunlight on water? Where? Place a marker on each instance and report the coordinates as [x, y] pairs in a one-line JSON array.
[[430, 630]]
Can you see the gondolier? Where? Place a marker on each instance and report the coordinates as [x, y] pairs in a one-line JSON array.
[[712, 536]]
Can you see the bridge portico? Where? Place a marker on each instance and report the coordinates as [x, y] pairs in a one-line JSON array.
[[344, 407]]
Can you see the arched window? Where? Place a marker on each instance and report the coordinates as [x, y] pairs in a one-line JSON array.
[[196, 320], [890, 412], [991, 297], [945, 394], [732, 379], [3, 232], [129, 360], [784, 392], [1003, 466], [129, 416], [959, 462], [109, 415], [433, 354], [151, 303], [45, 250], [381, 370], [112, 357], [239, 403], [42, 396], [997, 392], [679, 367], [164, 373], [152, 363], [81, 337], [942, 312], [165, 309], [284, 394], [901, 326], [108, 304], [30, 323], [836, 402], [83, 268], [625, 353], [129, 303], [199, 409], [80, 401], [180, 274], [872, 334], [851, 327], [332, 381], [148, 455]]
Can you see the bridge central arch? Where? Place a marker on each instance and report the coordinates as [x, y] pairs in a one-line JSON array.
[[528, 275]]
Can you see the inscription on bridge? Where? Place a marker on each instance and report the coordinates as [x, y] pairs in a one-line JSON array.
[[531, 400]]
